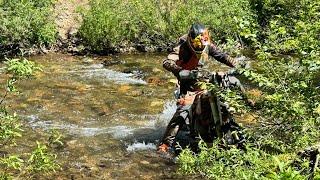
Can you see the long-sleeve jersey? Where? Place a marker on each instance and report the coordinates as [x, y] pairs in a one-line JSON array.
[[183, 57]]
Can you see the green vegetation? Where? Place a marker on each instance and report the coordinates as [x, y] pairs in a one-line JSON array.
[[40, 160], [284, 34], [111, 24], [216, 163], [26, 23], [287, 50]]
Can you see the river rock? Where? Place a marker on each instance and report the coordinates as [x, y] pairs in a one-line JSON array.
[[111, 62], [156, 70], [155, 81], [72, 143], [87, 60], [145, 162], [136, 93], [156, 103], [137, 73], [124, 88]]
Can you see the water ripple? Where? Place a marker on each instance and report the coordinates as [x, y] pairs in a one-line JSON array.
[[97, 71]]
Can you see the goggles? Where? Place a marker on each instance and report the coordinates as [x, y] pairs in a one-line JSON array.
[[200, 41]]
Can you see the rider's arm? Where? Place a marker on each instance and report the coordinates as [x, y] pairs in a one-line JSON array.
[[170, 62], [221, 57]]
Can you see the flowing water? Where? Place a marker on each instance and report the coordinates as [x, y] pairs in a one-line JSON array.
[[112, 116]]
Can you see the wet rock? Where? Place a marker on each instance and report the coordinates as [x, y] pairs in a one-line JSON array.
[[156, 103], [124, 88], [156, 70], [136, 93], [73, 144], [85, 166], [141, 48], [150, 49], [79, 49], [145, 162], [3, 153], [155, 81], [131, 49], [137, 73], [105, 163], [112, 62], [101, 110], [72, 32], [87, 60]]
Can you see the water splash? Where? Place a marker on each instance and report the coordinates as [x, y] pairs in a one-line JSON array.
[[143, 137], [141, 146], [169, 108], [121, 131]]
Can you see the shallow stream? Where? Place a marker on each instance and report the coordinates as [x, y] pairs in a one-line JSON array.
[[111, 114]]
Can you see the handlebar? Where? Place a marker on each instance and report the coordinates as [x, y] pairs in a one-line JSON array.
[[202, 74]]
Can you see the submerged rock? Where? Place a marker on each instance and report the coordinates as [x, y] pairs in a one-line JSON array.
[[111, 62], [155, 81], [124, 88], [87, 60], [137, 73], [157, 103]]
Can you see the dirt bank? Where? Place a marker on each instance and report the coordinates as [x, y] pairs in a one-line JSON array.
[[68, 20]]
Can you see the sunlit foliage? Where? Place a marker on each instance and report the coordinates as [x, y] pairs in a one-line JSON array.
[[119, 23], [26, 23]]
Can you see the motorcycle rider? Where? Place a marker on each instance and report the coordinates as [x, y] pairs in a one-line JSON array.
[[193, 49]]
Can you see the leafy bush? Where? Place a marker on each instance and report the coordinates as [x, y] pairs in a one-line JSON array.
[[220, 163], [111, 23], [41, 160], [287, 51], [116, 23], [290, 83], [25, 23], [288, 26], [10, 128]]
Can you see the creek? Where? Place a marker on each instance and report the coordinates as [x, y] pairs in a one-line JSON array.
[[111, 114]]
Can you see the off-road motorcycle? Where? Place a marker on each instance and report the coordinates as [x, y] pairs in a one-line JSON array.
[[209, 116]]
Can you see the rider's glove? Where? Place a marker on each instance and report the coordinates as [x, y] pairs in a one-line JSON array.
[[187, 75]]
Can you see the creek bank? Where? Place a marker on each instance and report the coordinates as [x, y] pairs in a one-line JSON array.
[[68, 18], [74, 45]]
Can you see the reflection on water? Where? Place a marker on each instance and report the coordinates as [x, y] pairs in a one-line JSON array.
[[112, 117]]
